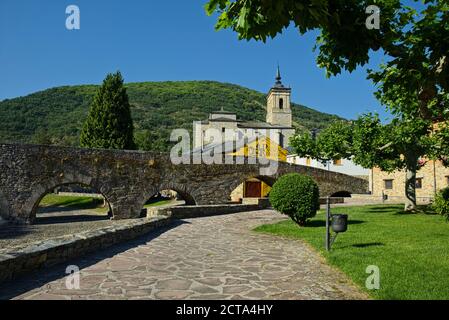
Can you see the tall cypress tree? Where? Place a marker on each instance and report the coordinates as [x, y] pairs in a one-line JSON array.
[[109, 124]]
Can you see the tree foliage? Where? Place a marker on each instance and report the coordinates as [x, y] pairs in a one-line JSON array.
[[413, 83], [109, 124], [415, 80], [334, 142], [441, 203], [297, 196], [156, 109], [402, 144]]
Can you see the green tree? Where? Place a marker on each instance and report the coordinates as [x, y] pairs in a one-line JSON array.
[[297, 196], [151, 140], [414, 81], [332, 143], [399, 145], [41, 136], [109, 124], [413, 84]]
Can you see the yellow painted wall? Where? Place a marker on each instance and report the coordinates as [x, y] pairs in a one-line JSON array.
[[265, 189], [261, 148]]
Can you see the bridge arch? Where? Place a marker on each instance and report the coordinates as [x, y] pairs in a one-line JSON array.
[[128, 178], [185, 193], [239, 186], [36, 207], [42, 188]]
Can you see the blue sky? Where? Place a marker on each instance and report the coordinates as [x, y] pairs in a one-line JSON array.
[[149, 40]]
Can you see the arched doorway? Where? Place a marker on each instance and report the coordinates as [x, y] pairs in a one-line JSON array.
[[254, 187]]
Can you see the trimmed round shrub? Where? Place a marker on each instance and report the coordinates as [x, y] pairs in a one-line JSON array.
[[296, 196], [441, 203]]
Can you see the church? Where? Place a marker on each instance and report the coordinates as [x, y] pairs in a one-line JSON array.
[[257, 138], [278, 126]]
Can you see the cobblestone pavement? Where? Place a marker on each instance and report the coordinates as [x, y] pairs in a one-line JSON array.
[[204, 258]]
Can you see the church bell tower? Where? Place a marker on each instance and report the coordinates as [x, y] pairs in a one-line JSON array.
[[279, 110]]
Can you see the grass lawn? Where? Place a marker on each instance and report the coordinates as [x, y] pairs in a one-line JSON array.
[[411, 250], [75, 203]]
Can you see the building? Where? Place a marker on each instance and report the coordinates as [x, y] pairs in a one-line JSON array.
[[250, 138], [278, 125], [431, 178], [254, 147], [344, 166]]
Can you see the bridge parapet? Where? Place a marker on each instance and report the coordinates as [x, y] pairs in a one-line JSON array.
[[128, 178]]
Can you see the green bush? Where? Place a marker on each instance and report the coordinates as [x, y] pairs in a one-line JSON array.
[[441, 203], [296, 196]]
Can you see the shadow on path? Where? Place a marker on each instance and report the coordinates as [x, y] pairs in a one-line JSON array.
[[38, 278], [68, 219]]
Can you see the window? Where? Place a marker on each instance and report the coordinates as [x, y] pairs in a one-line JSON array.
[[418, 184], [388, 184], [223, 130], [337, 162], [281, 140], [281, 103]]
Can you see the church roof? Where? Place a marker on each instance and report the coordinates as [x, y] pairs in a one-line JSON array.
[[247, 124], [260, 125], [222, 112]]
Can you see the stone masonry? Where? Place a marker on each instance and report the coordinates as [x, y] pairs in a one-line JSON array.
[[128, 178]]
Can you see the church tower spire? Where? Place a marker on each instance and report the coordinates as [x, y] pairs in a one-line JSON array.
[[279, 112], [278, 78]]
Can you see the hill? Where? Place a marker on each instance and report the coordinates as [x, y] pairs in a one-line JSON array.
[[56, 115]]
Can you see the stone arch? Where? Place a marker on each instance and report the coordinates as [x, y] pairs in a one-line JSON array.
[[40, 190], [269, 180], [184, 192]]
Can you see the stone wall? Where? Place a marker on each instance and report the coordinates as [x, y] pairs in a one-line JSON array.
[[16, 262], [127, 179], [187, 212], [434, 178]]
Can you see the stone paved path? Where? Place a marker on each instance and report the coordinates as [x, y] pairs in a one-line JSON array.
[[206, 258]]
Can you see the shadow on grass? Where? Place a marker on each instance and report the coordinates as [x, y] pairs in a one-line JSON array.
[[38, 278], [71, 205], [321, 223], [366, 245], [423, 209], [362, 245], [384, 209]]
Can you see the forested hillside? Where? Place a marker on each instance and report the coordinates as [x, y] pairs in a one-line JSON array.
[[56, 115]]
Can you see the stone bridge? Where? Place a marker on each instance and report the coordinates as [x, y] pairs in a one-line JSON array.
[[127, 179]]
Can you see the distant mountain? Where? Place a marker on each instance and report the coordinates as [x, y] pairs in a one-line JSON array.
[[56, 115]]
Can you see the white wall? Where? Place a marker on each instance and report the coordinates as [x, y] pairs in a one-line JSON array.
[[347, 166]]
